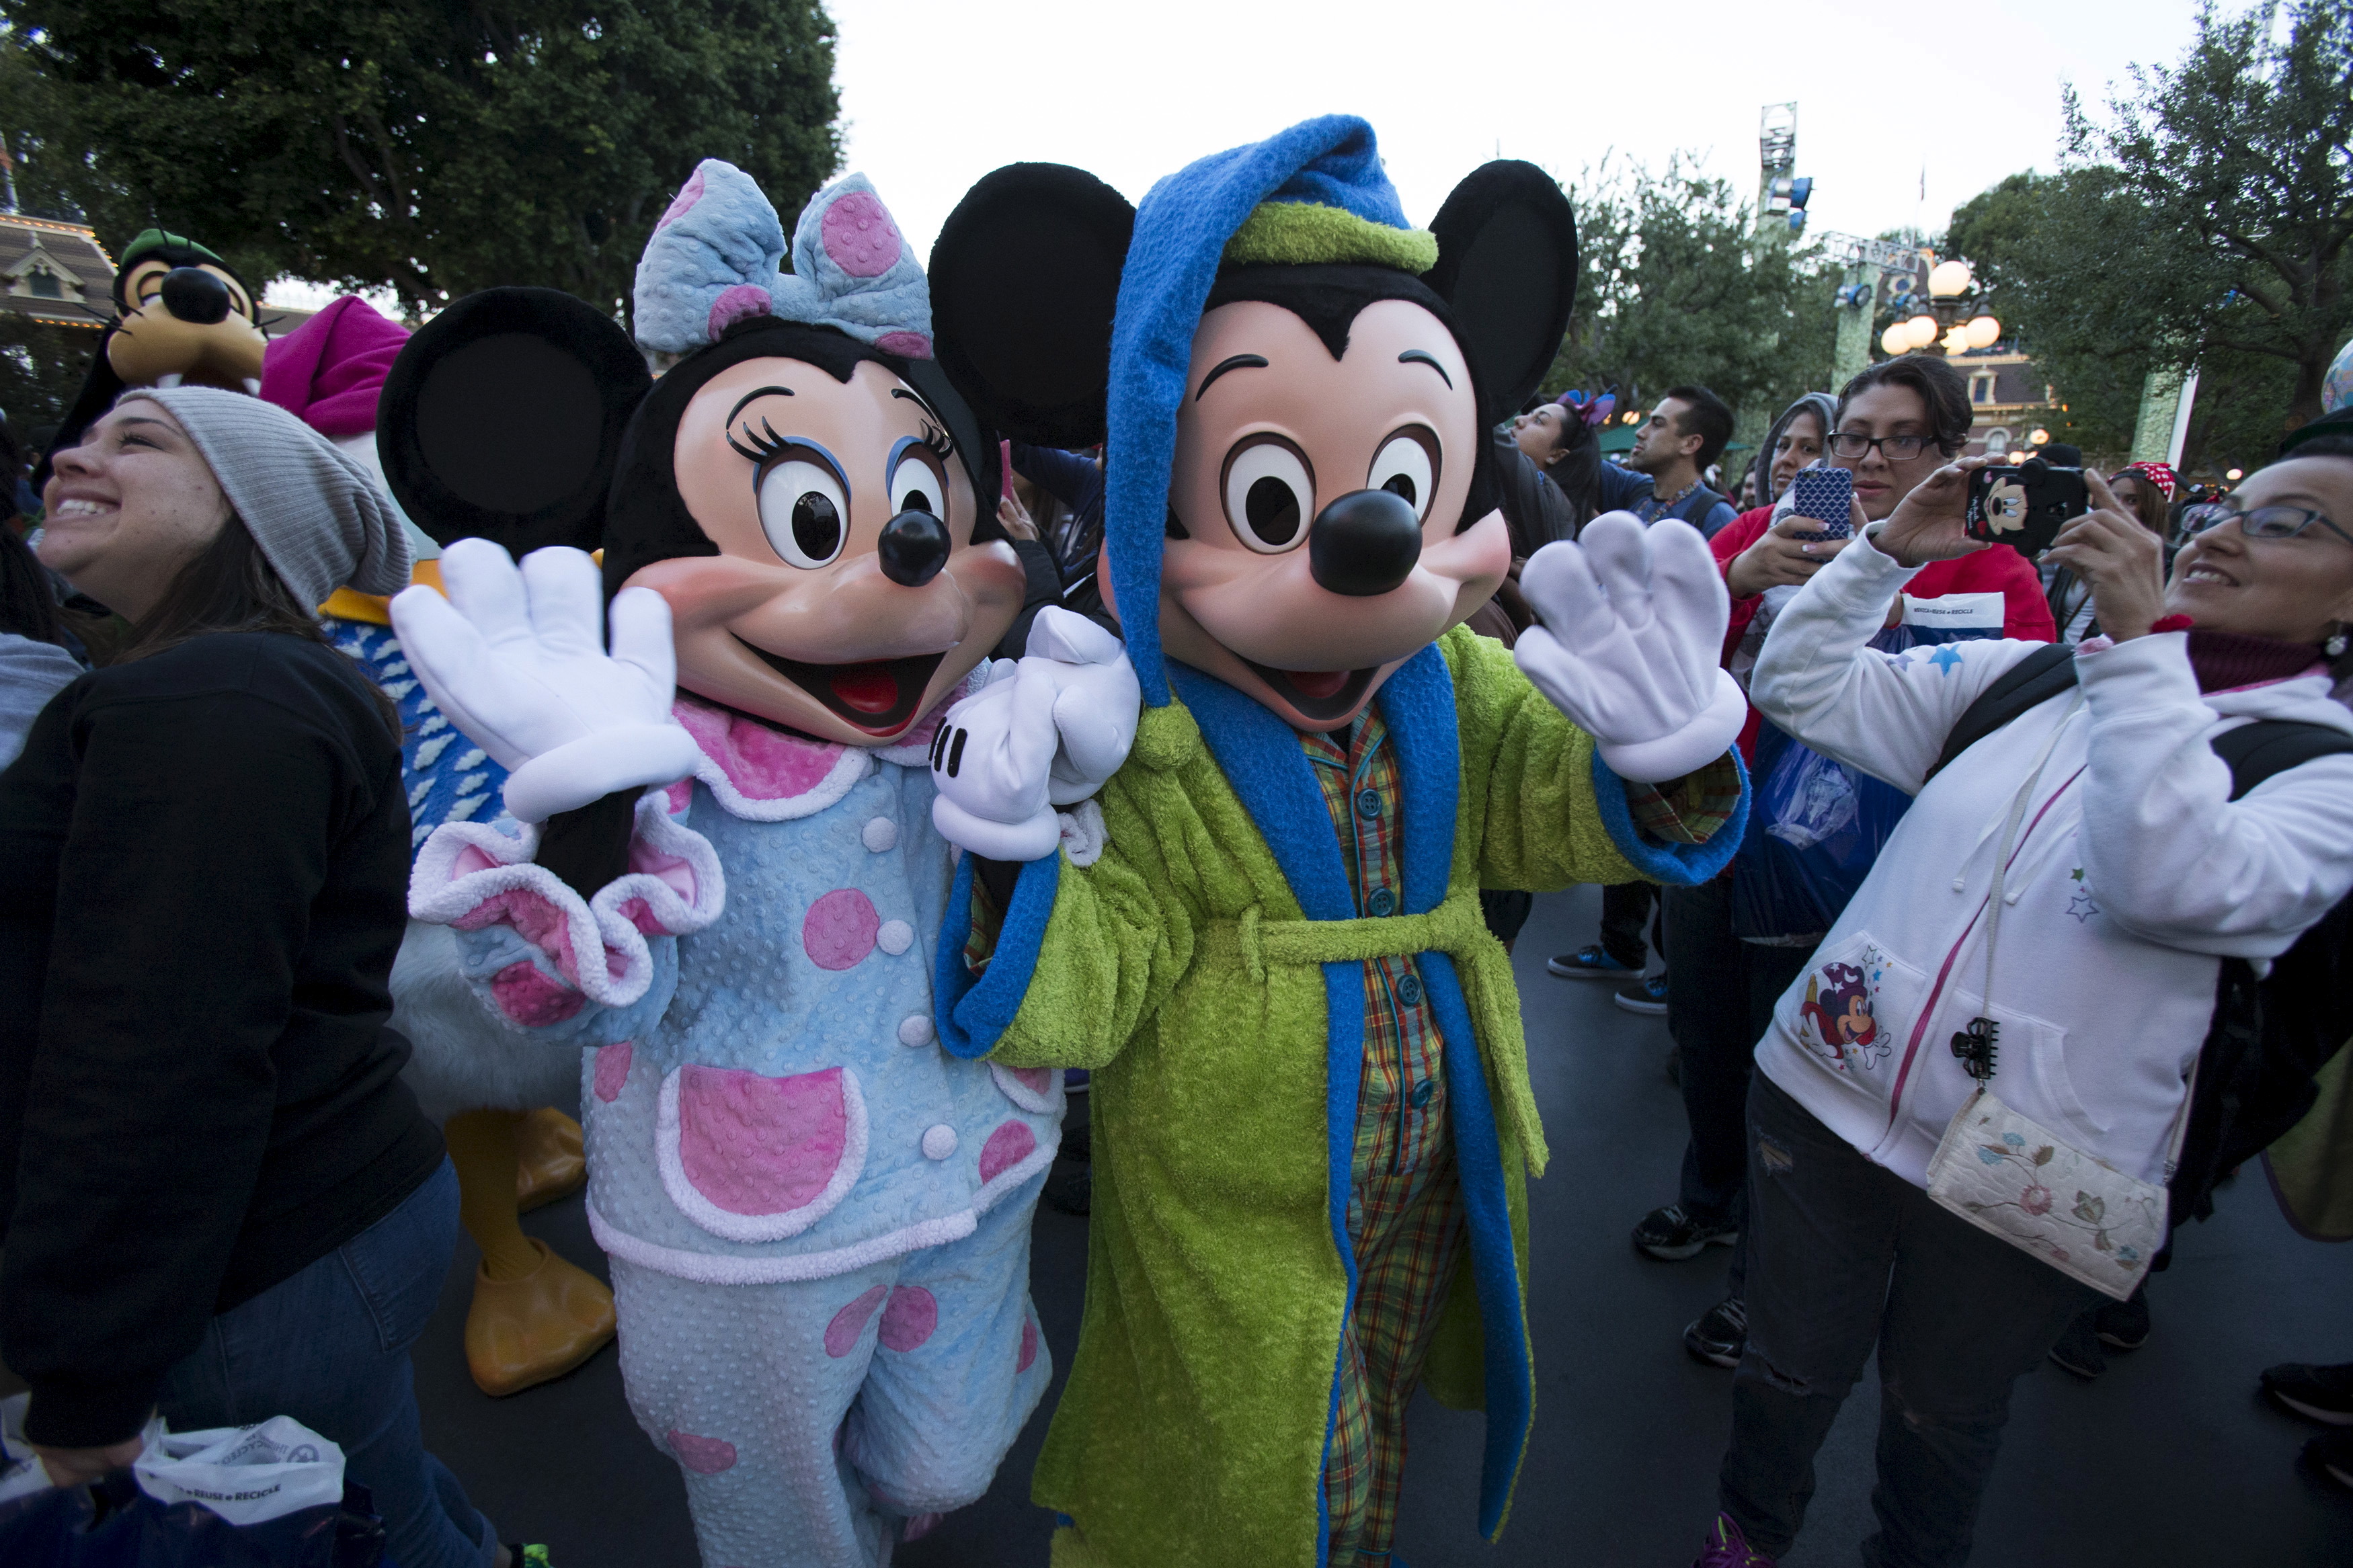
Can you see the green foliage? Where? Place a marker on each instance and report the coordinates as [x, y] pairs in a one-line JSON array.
[[427, 147], [1677, 285], [41, 369], [2206, 221]]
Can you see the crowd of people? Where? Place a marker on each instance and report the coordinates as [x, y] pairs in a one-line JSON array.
[[2026, 870]]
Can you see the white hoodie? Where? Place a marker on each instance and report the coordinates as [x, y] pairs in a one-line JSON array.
[[2134, 873]]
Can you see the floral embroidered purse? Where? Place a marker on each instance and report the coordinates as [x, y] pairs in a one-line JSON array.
[[2012, 1178]]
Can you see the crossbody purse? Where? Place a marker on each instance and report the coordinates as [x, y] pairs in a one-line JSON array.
[[2013, 1178]]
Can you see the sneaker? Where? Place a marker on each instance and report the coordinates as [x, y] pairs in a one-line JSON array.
[[1721, 1335], [1671, 1235], [2331, 1453], [2124, 1325], [1727, 1548], [2318, 1393], [2078, 1349], [1644, 995], [1591, 962]]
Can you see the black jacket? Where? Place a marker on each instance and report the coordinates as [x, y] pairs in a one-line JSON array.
[[203, 865]]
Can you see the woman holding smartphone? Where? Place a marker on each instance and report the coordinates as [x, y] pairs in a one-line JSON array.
[[219, 1200]]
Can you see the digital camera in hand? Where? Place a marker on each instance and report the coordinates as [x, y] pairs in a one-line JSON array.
[[1825, 495], [2024, 506]]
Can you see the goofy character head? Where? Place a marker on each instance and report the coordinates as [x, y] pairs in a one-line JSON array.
[[1295, 387], [804, 487]]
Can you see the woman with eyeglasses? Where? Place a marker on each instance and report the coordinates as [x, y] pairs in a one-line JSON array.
[[2074, 880], [1892, 426]]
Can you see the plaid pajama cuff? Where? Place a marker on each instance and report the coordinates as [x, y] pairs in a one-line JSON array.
[[1690, 809]]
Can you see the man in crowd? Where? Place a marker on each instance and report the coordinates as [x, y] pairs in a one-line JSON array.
[[1686, 432]]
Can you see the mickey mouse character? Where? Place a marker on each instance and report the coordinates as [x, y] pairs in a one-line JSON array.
[[818, 1220], [182, 315], [1312, 1111]]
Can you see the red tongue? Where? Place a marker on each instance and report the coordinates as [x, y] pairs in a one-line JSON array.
[[869, 690], [1317, 684]]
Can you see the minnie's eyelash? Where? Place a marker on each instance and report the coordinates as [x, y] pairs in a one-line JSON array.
[[765, 443], [938, 442]]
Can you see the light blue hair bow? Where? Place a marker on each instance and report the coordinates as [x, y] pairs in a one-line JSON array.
[[717, 256]]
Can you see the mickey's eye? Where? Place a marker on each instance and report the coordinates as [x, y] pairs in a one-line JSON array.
[[804, 511], [1407, 466], [1270, 493]]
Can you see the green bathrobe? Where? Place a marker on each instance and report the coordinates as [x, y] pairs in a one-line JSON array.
[[1207, 966]]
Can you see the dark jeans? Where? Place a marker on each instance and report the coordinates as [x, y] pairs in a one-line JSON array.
[[329, 1348], [1843, 1254], [1720, 996], [1626, 909]]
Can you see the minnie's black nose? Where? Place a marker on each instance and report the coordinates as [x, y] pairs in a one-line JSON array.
[[1364, 543], [195, 295], [914, 547]]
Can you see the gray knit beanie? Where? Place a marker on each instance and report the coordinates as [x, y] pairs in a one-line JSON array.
[[317, 515]]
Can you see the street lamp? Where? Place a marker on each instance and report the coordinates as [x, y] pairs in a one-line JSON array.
[[1953, 322], [1949, 279]]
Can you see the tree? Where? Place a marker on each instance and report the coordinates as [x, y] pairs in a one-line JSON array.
[[429, 147], [2204, 221], [1677, 285]]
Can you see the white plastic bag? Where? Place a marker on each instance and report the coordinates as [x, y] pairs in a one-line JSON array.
[[244, 1474]]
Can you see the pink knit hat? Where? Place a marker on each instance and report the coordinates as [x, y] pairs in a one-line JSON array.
[[328, 371]]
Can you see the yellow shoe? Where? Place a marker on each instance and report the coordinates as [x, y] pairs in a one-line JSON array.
[[548, 1162], [524, 1331]]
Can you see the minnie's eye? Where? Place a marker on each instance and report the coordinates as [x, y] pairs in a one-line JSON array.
[[804, 511], [916, 488], [1406, 467], [1270, 494]]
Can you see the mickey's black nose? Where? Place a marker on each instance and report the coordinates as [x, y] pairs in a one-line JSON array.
[[1364, 543], [914, 547], [194, 295]]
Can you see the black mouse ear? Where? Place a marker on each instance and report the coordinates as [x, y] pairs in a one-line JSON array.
[[502, 416], [1024, 279], [1507, 266]]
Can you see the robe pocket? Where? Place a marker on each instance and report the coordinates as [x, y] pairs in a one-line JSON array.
[[759, 1159], [1855, 1006]]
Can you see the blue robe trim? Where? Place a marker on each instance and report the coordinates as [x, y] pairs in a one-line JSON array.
[[973, 1012], [1675, 865]]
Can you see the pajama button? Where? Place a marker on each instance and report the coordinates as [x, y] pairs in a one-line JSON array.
[[939, 1142], [1410, 990], [1422, 1091], [915, 1029], [1369, 803], [880, 835], [1382, 902]]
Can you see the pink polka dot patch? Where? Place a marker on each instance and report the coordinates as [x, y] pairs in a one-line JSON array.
[[909, 1319], [613, 1070], [1006, 1147], [1028, 1344], [840, 929], [859, 236], [905, 344], [841, 1334], [682, 204], [734, 304], [704, 1456]]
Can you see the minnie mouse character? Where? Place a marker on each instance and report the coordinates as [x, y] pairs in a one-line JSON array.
[[1312, 1111], [818, 1220]]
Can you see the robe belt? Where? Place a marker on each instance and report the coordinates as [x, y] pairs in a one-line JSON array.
[[1457, 928]]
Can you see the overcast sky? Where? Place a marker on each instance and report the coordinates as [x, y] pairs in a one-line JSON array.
[[936, 93]]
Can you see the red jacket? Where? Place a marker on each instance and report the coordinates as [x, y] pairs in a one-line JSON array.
[[1998, 569]]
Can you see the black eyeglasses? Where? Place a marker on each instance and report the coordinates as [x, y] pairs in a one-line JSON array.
[[2262, 522], [1853, 445]]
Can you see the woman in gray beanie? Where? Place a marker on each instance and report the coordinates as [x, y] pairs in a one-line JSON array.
[[219, 1200]]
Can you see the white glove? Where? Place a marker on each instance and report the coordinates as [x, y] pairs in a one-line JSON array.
[[517, 660], [1633, 622], [1043, 732]]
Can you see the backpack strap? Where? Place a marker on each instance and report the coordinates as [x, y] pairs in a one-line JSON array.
[[2031, 682], [2257, 752]]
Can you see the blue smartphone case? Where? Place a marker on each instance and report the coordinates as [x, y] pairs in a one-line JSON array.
[[1825, 495]]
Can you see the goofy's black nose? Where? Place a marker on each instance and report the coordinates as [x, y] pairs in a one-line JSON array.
[[914, 547], [195, 295], [1364, 543]]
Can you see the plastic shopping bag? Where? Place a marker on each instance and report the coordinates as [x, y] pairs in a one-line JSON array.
[[268, 1495], [1814, 829]]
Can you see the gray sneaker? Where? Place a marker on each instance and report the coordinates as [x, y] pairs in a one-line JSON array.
[[1644, 995]]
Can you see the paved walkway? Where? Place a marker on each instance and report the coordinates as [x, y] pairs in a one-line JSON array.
[[2171, 1458]]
